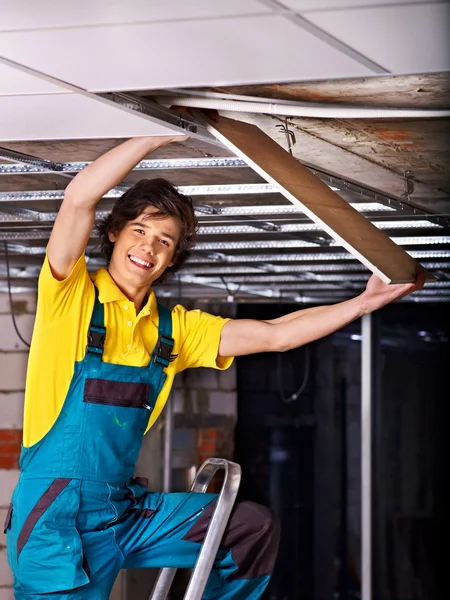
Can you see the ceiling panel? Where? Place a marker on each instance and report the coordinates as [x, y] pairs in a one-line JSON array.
[[68, 116], [13, 81], [402, 39], [194, 53], [313, 5], [21, 14]]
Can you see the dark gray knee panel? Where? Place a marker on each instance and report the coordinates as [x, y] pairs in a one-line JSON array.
[[252, 535]]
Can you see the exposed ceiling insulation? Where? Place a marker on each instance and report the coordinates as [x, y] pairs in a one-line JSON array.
[[60, 108]]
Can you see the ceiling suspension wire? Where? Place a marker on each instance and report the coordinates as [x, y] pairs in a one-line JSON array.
[[295, 395], [11, 305]]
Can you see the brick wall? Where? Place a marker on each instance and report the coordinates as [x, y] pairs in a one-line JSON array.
[[10, 445], [13, 362]]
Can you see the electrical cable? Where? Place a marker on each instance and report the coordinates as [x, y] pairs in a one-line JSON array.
[[293, 397], [11, 306]]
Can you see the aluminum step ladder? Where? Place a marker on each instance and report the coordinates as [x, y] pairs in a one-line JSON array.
[[214, 534]]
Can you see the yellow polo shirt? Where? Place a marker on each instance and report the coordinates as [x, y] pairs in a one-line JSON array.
[[63, 315]]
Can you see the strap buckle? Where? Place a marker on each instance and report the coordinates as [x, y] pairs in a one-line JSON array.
[[163, 351], [96, 339]]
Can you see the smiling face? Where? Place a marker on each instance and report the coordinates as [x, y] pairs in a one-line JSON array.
[[143, 249]]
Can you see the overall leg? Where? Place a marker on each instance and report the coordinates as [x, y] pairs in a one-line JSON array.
[[167, 530], [103, 561], [249, 549]]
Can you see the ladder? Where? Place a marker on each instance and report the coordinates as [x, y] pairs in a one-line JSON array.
[[214, 534]]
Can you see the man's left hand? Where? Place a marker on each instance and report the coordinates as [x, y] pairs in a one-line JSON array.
[[377, 293]]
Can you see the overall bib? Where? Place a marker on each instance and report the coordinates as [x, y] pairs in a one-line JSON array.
[[78, 516]]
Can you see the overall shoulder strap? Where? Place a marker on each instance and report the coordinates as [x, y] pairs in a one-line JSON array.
[[162, 354], [97, 330]]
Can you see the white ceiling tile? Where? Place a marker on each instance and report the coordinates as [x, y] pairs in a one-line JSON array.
[[68, 116], [313, 5], [402, 39], [23, 14], [183, 54], [14, 81]]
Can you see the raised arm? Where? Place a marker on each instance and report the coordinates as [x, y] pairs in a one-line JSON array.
[[247, 336], [75, 219]]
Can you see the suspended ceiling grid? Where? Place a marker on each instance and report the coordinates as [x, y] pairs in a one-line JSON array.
[[56, 59]]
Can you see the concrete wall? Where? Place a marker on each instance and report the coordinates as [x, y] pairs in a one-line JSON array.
[[204, 403]]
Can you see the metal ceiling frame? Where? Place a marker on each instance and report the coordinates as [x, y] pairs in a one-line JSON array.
[[181, 123], [145, 165]]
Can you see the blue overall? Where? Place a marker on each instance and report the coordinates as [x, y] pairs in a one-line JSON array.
[[78, 516]]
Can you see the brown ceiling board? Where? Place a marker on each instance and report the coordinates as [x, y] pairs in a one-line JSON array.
[[318, 150], [359, 236], [428, 90]]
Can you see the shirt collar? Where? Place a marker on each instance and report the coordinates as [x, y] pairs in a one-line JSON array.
[[109, 292]]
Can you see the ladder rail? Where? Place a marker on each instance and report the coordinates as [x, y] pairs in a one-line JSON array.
[[214, 533]]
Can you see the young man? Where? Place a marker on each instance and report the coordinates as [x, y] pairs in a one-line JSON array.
[[102, 362]]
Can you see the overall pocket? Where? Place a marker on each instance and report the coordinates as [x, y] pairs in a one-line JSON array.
[[117, 393], [48, 549]]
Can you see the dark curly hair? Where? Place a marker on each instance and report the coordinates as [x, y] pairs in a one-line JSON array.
[[168, 201]]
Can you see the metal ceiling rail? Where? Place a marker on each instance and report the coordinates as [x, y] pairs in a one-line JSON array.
[[237, 226], [155, 164], [18, 214], [204, 211], [366, 191], [322, 272], [291, 241], [233, 189], [36, 164], [31, 164], [255, 269], [156, 112], [331, 254], [321, 284], [230, 288], [299, 298]]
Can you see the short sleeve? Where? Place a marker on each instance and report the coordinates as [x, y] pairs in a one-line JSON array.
[[197, 339], [54, 295]]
